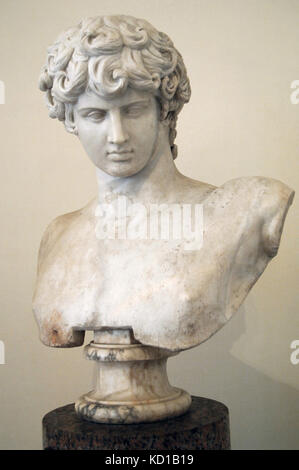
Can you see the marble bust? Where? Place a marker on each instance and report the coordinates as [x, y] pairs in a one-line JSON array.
[[119, 85]]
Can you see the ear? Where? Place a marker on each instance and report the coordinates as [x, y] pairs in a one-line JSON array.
[[165, 132], [163, 129], [164, 109], [69, 122]]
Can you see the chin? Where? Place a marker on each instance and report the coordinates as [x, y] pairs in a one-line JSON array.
[[122, 172]]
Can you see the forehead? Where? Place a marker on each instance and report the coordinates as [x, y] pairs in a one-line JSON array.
[[89, 99]]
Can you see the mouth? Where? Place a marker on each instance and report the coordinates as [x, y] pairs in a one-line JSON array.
[[120, 156]]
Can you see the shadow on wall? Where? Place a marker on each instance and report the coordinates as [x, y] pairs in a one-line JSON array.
[[264, 413]]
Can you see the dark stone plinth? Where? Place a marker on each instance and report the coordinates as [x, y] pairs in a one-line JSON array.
[[204, 426]]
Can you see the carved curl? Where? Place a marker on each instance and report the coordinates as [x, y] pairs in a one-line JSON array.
[[106, 55]]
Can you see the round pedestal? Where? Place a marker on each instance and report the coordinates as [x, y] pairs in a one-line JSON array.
[[205, 426], [131, 385]]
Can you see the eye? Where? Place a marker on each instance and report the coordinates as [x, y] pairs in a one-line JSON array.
[[96, 115], [134, 110]]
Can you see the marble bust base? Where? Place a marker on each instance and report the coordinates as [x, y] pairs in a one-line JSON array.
[[132, 384], [205, 426]]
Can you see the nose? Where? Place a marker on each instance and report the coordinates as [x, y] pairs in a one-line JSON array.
[[116, 132]]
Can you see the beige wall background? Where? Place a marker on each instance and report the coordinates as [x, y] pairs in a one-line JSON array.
[[242, 57]]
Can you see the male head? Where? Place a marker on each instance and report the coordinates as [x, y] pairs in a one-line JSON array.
[[109, 57]]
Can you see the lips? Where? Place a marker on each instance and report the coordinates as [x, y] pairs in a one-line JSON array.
[[120, 155]]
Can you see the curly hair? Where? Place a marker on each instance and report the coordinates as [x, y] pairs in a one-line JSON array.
[[106, 55]]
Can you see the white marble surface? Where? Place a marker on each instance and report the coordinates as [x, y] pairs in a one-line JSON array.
[[171, 297]]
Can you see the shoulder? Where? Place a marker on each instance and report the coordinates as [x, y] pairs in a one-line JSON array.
[[53, 233], [268, 200], [259, 184], [61, 227], [270, 194]]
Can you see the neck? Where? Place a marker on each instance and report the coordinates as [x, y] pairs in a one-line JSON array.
[[150, 185]]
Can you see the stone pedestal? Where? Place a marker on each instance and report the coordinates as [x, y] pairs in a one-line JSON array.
[[131, 382], [205, 426]]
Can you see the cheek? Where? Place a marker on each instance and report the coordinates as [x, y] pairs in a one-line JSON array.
[[151, 133], [90, 136], [145, 131]]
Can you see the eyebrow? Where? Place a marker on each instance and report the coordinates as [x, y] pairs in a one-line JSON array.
[[132, 103]]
